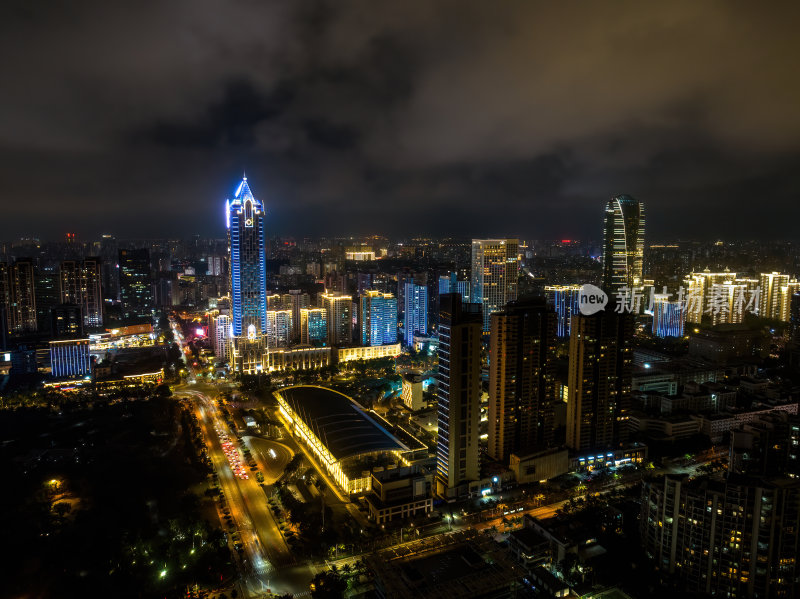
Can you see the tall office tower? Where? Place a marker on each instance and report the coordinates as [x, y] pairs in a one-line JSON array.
[[299, 301], [459, 377], [66, 321], [313, 326], [279, 328], [769, 303], [697, 291], [415, 312], [669, 316], [623, 244], [495, 268], [22, 297], [377, 318], [599, 380], [564, 299], [247, 254], [339, 316], [522, 379], [47, 295], [135, 289]]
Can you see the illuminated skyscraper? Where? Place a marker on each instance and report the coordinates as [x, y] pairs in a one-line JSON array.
[[416, 311], [245, 219], [135, 283], [770, 285], [22, 297], [599, 380], [698, 290], [623, 244], [377, 318], [339, 317], [80, 283], [459, 380], [522, 378], [495, 265], [668, 316], [564, 299]]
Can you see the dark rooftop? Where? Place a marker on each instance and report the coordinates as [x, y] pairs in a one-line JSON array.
[[339, 422]]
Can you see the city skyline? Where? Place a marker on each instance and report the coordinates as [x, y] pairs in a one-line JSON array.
[[484, 106]]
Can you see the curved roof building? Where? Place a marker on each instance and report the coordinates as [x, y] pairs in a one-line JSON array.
[[343, 437]]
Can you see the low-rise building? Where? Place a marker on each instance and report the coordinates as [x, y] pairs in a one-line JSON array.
[[412, 391], [399, 493], [539, 466]]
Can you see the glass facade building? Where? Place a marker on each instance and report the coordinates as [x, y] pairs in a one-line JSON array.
[[247, 240], [495, 268], [623, 244]]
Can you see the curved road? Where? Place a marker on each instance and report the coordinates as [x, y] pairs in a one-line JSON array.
[[271, 456]]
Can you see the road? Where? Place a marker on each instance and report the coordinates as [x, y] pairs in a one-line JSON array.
[[266, 559], [271, 457]]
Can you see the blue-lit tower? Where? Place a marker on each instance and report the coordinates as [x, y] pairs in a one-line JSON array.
[[564, 298], [247, 241], [669, 317], [416, 311]]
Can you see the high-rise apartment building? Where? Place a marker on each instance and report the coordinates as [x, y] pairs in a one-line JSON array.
[[279, 328], [247, 240], [564, 300], [80, 283], [599, 380], [22, 297], [377, 318], [522, 363], [623, 244], [135, 283], [697, 288], [47, 295], [339, 317], [415, 312], [785, 300], [66, 321], [313, 326], [770, 284], [220, 332], [737, 534], [495, 269], [299, 301], [459, 377]]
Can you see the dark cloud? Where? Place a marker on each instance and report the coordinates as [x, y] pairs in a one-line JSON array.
[[448, 116]]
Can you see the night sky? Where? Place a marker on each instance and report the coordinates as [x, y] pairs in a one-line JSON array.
[[401, 118]]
